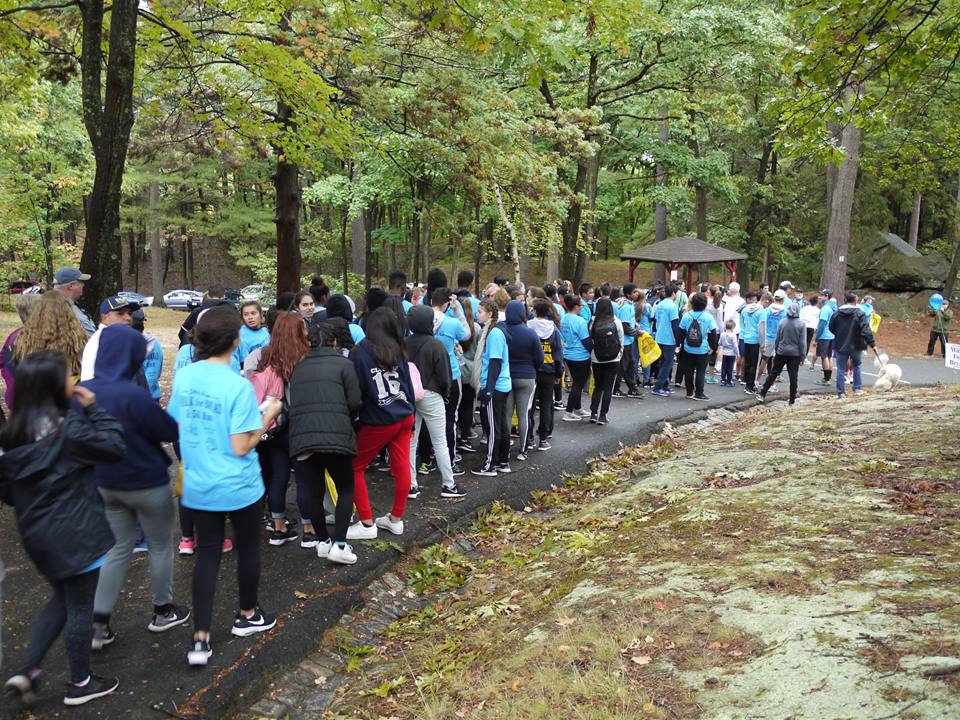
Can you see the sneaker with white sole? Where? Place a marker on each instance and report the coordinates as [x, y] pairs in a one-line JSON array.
[[342, 555], [257, 623], [102, 636], [279, 537], [22, 688], [570, 417], [309, 540], [452, 492], [168, 616], [96, 687], [387, 524], [359, 531], [199, 653], [544, 446], [414, 492], [323, 548], [583, 413]]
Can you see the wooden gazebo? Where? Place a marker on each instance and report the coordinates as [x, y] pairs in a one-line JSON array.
[[677, 251]]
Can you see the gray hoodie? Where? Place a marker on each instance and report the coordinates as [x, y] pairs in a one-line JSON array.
[[792, 334]]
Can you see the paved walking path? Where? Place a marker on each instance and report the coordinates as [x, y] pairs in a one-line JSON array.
[[310, 595]]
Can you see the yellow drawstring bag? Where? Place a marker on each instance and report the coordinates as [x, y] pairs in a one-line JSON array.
[[649, 350], [875, 321], [178, 482]]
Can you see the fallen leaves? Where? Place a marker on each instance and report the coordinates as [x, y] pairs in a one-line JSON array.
[[641, 659]]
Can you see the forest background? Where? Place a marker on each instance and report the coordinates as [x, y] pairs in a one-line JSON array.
[[167, 144]]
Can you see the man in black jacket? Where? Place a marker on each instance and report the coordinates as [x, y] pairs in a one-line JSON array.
[[851, 329]]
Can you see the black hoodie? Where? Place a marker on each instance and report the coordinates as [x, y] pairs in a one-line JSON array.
[[428, 353], [851, 329]]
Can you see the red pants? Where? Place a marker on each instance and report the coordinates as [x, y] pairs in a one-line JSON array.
[[371, 439]]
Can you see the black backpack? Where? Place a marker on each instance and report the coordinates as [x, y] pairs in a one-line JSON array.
[[694, 333], [606, 342]]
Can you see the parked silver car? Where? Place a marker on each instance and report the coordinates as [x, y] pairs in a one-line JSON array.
[[181, 299]]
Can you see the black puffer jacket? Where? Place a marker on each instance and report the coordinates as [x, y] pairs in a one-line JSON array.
[[428, 353], [53, 488], [324, 401]]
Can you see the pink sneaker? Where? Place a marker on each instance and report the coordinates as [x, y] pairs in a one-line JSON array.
[[187, 546], [227, 545]]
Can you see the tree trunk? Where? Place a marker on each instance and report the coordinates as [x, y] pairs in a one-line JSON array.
[[660, 209], [286, 183], [553, 260], [755, 214], [514, 250], [108, 118], [191, 266], [834, 274], [156, 271], [915, 220], [344, 252], [951, 280]]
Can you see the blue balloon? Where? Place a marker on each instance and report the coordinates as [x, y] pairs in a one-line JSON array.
[[936, 301]]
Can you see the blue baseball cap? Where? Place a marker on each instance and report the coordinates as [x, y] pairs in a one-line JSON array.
[[64, 276], [115, 302]]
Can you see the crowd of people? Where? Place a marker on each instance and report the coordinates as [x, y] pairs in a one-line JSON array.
[[418, 381]]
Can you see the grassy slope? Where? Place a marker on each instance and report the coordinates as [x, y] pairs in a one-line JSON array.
[[776, 564]]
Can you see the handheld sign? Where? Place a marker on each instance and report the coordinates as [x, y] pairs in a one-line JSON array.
[[952, 359]]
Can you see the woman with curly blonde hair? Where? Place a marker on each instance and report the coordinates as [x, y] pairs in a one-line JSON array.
[[52, 326]]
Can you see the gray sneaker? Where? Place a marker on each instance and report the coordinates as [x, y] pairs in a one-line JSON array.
[[168, 617]]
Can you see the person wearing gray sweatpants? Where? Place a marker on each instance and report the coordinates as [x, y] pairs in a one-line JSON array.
[[520, 401], [432, 411], [137, 489]]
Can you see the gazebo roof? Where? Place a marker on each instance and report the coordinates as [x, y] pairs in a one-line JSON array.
[[682, 250]]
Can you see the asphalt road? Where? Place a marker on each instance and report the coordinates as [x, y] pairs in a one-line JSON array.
[[308, 594]]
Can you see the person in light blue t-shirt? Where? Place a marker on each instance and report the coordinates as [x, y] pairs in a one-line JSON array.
[[493, 388], [253, 334], [697, 353], [587, 295], [575, 333], [666, 316], [825, 338], [220, 427]]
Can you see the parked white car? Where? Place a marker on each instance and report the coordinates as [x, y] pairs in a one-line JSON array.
[[181, 299], [139, 298]]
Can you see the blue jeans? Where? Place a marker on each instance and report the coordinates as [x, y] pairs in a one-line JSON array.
[[842, 357], [666, 366]]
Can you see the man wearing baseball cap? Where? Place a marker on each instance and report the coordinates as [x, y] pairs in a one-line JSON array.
[[113, 311], [69, 281]]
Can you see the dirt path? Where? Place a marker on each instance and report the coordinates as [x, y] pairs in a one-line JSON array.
[[768, 564]]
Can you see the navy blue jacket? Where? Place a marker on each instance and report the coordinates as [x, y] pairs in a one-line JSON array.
[[145, 424], [526, 352], [387, 394]]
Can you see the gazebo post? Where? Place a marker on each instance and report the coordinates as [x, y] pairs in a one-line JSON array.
[[731, 266], [633, 266], [690, 278]]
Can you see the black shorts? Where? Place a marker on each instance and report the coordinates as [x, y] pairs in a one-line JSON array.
[[824, 348]]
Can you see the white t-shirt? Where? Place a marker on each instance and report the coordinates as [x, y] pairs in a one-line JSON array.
[[731, 310], [88, 360], [810, 314]]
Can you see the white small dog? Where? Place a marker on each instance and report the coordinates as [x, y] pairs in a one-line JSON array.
[[889, 373]]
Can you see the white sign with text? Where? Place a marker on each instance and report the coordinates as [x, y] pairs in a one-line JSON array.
[[952, 359]]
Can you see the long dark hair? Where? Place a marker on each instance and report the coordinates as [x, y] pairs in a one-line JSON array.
[[386, 338], [215, 332], [394, 304], [39, 396], [603, 312]]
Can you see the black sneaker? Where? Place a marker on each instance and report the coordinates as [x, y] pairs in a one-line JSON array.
[[602, 420], [559, 406], [701, 397], [21, 688], [414, 492], [544, 446], [504, 468], [309, 540], [279, 537], [383, 466], [169, 616], [96, 687], [458, 470], [199, 652], [257, 623], [452, 492], [618, 394], [268, 523], [761, 396], [485, 471], [102, 636], [465, 447], [635, 394], [593, 417]]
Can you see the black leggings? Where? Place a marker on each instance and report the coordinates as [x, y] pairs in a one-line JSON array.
[[604, 375], [792, 363], [246, 537], [465, 412], [580, 372], [543, 395], [498, 438], [452, 407], [694, 369], [69, 611], [340, 468], [751, 355]]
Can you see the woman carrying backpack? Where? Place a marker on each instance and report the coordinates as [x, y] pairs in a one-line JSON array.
[[606, 332], [699, 333]]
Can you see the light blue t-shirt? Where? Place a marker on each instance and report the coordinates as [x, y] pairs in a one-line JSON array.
[[561, 310], [750, 324], [665, 314], [153, 366], [407, 305], [356, 332], [573, 330], [646, 315], [585, 311], [450, 332], [628, 316], [474, 306], [211, 402], [707, 323], [250, 340], [823, 324], [867, 310], [772, 319], [496, 349], [185, 357]]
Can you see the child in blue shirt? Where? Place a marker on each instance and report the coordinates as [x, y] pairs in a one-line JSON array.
[[253, 334], [698, 353]]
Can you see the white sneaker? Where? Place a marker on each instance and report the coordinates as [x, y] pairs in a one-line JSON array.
[[359, 531], [387, 524], [582, 413], [571, 417], [323, 548], [343, 555]]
